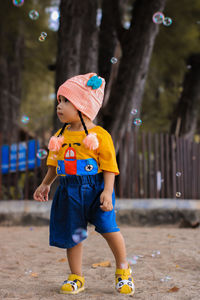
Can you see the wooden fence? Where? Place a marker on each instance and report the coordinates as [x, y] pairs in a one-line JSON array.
[[148, 165], [158, 166], [21, 184]]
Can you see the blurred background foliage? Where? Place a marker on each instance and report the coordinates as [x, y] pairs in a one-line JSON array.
[[166, 72]]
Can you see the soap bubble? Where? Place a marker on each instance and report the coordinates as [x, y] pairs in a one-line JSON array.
[[134, 111], [178, 174], [155, 253], [79, 235], [18, 3], [43, 34], [167, 21], [132, 261], [113, 60], [161, 89], [137, 122], [166, 278], [178, 194], [158, 17], [41, 38], [25, 119], [28, 271], [55, 15], [33, 14], [41, 154]]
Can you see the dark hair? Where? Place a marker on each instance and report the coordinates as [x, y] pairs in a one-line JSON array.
[[82, 121]]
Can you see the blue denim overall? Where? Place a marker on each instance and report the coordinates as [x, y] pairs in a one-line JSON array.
[[75, 203]]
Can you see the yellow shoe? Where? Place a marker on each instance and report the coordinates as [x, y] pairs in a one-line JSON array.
[[73, 285], [124, 281]]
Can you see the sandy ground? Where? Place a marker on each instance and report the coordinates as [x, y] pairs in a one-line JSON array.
[[31, 269]]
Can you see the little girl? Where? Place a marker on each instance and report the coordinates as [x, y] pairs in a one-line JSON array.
[[83, 154]]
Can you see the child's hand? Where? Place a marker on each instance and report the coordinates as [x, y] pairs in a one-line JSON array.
[[41, 193], [106, 200]]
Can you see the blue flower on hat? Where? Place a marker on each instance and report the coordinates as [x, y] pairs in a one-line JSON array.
[[95, 82]]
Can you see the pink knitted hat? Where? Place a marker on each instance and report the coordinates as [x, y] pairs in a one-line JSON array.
[[86, 98], [86, 93]]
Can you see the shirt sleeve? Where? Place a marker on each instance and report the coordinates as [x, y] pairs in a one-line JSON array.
[[107, 156], [52, 155]]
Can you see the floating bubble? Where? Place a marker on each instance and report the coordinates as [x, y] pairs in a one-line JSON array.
[[43, 34], [189, 66], [33, 14], [134, 111], [41, 154], [55, 15], [161, 89], [41, 38], [155, 253], [28, 271], [132, 261], [137, 122], [178, 194], [18, 3], [79, 235], [167, 21], [166, 278], [113, 60], [25, 119], [127, 25], [158, 17], [178, 174]]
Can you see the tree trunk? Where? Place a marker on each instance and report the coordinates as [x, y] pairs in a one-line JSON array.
[[11, 60], [77, 42], [186, 112], [137, 45], [107, 39]]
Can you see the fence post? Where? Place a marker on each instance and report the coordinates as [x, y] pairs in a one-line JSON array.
[[0, 166], [145, 194], [26, 188], [173, 169]]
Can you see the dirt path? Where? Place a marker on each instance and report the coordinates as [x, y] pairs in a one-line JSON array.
[[31, 269]]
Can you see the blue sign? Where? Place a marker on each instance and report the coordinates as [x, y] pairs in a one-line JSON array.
[[23, 153], [4, 159], [32, 156]]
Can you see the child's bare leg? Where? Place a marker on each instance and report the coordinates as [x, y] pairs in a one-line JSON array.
[[74, 256], [116, 242]]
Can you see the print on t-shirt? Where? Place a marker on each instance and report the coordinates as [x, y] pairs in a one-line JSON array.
[[73, 166], [75, 159]]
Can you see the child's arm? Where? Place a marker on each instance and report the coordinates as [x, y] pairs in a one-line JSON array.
[[109, 179], [41, 193], [106, 195], [50, 176]]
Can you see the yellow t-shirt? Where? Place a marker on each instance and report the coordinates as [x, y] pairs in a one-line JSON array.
[[75, 159]]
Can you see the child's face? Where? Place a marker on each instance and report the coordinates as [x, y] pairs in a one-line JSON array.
[[66, 111]]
